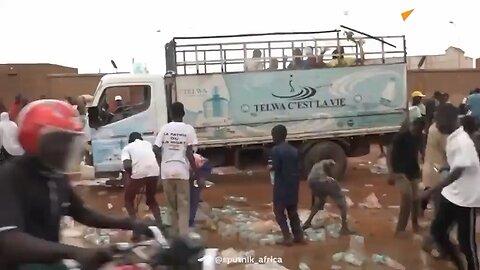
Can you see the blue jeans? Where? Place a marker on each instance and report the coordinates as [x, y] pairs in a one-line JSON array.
[[203, 172]]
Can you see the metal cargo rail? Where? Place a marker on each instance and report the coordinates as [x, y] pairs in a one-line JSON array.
[[226, 54]]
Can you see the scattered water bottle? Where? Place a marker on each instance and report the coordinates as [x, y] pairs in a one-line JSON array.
[[166, 216], [303, 266], [380, 259], [272, 173], [315, 235], [337, 257], [385, 260], [352, 259], [334, 230]]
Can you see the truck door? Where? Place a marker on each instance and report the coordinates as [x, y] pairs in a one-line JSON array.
[[123, 109]]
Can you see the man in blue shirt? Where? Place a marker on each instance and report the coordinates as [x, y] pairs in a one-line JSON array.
[[285, 165]]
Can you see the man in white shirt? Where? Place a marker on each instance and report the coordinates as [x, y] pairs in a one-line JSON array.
[[141, 166], [460, 191], [174, 147], [255, 63], [9, 145]]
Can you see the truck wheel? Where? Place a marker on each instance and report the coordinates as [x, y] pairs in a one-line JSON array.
[[327, 150]]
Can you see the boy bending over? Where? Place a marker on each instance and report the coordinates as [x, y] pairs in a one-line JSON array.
[[322, 186]]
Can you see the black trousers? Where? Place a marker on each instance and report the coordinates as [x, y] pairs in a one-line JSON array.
[[447, 216], [282, 212]]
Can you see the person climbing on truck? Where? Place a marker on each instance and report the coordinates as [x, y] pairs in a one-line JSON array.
[[323, 185], [285, 164]]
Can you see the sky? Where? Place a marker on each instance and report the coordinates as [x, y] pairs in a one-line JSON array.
[[87, 34]]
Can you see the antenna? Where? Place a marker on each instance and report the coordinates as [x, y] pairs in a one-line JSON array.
[[114, 66]]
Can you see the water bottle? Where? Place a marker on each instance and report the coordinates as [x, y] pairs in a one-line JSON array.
[[380, 259], [272, 173]]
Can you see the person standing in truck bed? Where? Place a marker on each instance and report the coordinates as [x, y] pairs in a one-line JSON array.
[[285, 165]]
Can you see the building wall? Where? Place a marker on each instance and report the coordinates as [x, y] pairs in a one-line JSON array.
[[73, 85], [453, 58], [457, 83], [30, 80]]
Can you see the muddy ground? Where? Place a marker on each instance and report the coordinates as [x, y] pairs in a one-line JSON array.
[[376, 225]]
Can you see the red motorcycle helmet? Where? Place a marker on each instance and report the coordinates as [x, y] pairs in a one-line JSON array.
[[49, 129]]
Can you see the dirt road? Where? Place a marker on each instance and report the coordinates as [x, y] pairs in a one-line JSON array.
[[376, 225]]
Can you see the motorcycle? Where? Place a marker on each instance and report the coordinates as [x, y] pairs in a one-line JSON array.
[[186, 253]]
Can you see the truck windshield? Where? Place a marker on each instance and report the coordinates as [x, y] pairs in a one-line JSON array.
[[280, 51]]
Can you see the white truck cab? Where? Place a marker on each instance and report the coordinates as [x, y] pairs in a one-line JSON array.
[[142, 109]]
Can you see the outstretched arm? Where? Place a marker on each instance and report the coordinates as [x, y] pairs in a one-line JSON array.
[[92, 218]]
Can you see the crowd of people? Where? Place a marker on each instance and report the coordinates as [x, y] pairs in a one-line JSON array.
[[303, 59], [434, 158]]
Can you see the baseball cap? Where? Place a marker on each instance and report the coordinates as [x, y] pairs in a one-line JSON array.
[[118, 98], [417, 94]]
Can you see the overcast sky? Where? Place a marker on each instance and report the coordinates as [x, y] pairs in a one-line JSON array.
[[88, 33]]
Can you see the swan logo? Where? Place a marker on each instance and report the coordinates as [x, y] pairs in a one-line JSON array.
[[304, 93]]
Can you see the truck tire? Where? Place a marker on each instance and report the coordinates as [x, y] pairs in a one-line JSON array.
[[327, 150]]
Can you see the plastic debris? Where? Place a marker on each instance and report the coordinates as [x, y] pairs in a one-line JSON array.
[[333, 230], [353, 259], [385, 260], [394, 206], [371, 202], [315, 235], [338, 257], [166, 216], [349, 201], [303, 266], [380, 167], [345, 190], [319, 220], [109, 206], [368, 185], [357, 245], [236, 199], [336, 267], [232, 256]]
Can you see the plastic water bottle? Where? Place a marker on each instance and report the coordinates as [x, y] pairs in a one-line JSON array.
[[385, 260], [380, 259], [272, 173], [303, 266], [352, 259]]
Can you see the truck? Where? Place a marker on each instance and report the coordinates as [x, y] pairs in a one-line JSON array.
[[331, 111]]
